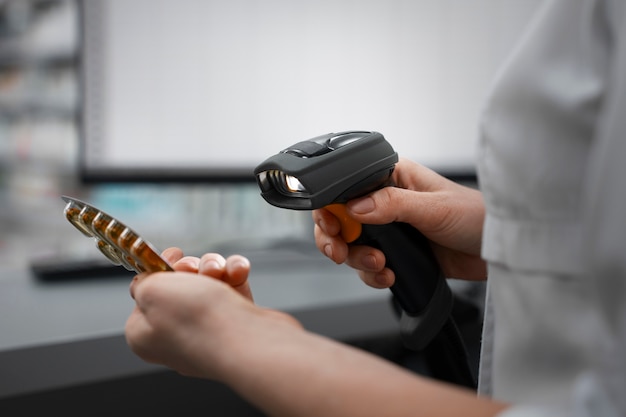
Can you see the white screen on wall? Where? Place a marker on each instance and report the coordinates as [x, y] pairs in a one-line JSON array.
[[217, 86]]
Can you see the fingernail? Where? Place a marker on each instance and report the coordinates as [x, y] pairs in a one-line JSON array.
[[194, 263], [369, 261], [362, 206], [242, 263], [328, 250], [212, 265], [382, 280]]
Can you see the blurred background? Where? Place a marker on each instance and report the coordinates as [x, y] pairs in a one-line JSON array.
[[41, 113], [156, 111]]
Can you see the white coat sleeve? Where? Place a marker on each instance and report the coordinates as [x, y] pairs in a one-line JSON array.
[[604, 212]]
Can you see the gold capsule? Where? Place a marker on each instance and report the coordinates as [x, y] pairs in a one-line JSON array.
[[108, 251], [126, 240], [99, 225], [114, 230], [86, 216], [150, 260], [112, 233], [131, 265], [72, 213]]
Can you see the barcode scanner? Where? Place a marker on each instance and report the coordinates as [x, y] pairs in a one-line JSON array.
[[329, 170]]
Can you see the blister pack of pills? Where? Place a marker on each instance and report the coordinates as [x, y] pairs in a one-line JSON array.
[[119, 243]]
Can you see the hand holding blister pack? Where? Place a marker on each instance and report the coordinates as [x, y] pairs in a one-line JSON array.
[[119, 243]]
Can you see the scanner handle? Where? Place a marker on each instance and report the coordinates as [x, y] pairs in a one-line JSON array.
[[409, 255], [420, 288]]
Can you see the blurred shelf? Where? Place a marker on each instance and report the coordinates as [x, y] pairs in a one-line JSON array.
[[16, 108]]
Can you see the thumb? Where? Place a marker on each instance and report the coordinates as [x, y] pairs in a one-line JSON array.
[[392, 204]]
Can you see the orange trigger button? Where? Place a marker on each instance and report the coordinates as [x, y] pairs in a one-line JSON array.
[[350, 228]]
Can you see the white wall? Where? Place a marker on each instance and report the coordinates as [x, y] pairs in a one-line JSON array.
[[226, 83]]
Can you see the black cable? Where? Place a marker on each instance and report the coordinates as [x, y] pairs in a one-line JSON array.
[[447, 357]]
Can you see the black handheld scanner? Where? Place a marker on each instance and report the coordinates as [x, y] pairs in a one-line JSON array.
[[329, 170]]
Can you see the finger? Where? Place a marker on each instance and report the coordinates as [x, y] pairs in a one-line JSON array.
[[187, 264], [137, 331], [133, 284], [237, 270], [137, 285], [164, 290], [381, 207], [172, 254], [370, 264], [366, 258], [428, 212], [212, 265], [327, 221], [333, 247], [236, 275], [382, 279], [413, 176], [419, 198]]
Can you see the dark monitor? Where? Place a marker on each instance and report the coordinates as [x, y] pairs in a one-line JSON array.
[[204, 90]]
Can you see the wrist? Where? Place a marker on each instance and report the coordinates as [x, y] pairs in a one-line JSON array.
[[249, 338]]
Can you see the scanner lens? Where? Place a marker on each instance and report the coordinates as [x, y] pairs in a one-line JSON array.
[[294, 184], [285, 184]]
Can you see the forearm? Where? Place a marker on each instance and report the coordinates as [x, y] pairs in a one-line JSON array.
[[203, 328], [308, 375]]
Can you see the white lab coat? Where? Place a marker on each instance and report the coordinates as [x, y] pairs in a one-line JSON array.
[[552, 167]]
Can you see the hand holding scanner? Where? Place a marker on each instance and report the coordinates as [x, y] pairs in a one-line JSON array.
[[329, 170]]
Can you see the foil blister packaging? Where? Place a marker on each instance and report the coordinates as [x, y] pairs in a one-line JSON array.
[[119, 243]]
